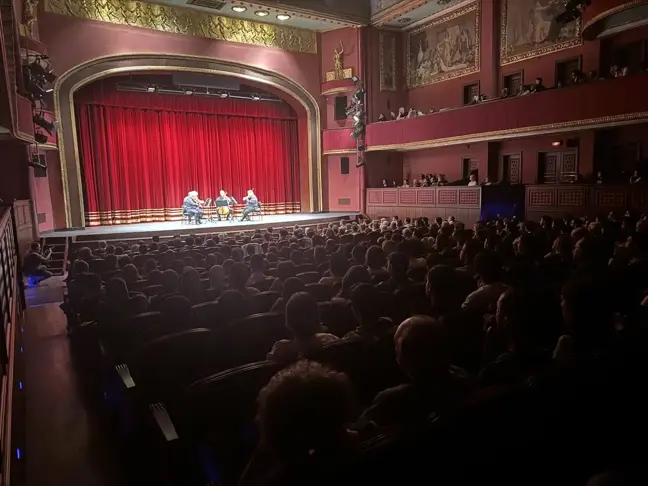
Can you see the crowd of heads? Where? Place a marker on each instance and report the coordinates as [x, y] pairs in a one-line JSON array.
[[489, 305]]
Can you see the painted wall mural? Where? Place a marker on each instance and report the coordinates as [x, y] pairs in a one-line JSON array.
[[528, 30], [445, 48], [387, 61]]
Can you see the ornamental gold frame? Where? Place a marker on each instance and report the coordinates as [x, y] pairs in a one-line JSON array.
[[97, 68], [474, 6], [505, 59]]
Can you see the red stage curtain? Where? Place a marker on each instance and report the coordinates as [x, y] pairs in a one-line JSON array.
[[141, 153]]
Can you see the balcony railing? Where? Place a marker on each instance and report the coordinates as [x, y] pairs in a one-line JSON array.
[[592, 105], [12, 303]]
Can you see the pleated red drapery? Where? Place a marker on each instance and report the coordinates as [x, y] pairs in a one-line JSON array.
[[142, 153]]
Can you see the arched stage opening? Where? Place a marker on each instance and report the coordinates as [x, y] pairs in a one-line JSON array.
[[304, 104]]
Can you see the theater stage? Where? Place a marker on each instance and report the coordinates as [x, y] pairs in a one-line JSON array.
[[147, 230]]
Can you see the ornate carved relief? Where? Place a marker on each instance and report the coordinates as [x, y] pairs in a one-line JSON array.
[[175, 20]]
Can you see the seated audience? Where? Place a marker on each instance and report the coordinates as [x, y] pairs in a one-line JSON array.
[[302, 319], [423, 352], [303, 415], [365, 306], [290, 287], [488, 270], [355, 275], [239, 277], [338, 267]]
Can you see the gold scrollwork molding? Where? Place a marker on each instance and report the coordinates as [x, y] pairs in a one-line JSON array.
[[176, 20]]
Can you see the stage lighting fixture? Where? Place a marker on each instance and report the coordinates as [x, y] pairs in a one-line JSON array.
[[358, 131], [361, 147], [42, 122], [350, 110], [36, 68], [223, 95], [358, 117], [50, 77], [150, 89], [256, 97], [40, 137], [360, 162], [35, 162], [188, 91], [36, 92]]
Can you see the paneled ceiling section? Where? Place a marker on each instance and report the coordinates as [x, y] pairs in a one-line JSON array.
[[319, 15], [323, 15], [406, 14]]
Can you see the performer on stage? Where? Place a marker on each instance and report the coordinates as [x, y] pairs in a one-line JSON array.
[[251, 205], [191, 206], [225, 211]]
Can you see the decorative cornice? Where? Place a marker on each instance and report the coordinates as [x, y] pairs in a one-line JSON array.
[[176, 20], [341, 89], [532, 131], [351, 151], [613, 11], [397, 10]]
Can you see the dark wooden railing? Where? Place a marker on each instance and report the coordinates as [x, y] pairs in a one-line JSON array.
[[12, 307], [559, 200], [462, 202]]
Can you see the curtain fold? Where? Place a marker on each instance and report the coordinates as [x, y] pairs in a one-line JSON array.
[[140, 160]]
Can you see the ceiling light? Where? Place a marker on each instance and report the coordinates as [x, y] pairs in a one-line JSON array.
[[283, 16], [239, 8], [262, 13], [404, 20]]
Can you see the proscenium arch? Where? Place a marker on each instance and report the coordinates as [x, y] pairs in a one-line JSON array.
[[77, 77]]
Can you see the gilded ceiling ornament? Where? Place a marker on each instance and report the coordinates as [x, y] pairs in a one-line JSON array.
[[176, 20]]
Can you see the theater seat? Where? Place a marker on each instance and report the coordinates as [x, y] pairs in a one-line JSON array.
[[152, 290], [337, 318], [321, 292], [206, 315], [220, 412], [309, 277], [167, 365], [264, 285], [251, 338], [264, 301]]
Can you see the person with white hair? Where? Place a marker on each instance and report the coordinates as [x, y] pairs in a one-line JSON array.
[[191, 206]]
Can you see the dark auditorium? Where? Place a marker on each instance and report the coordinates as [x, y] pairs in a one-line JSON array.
[[315, 243]]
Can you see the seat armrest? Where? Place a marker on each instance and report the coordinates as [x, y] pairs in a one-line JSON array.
[[164, 421], [125, 375]]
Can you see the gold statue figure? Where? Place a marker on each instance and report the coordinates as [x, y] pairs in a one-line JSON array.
[[338, 62], [29, 17]]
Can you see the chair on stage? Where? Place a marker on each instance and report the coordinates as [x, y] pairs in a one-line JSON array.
[[187, 218], [258, 213]]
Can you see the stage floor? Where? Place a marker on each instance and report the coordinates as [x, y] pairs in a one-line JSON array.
[[146, 230]]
